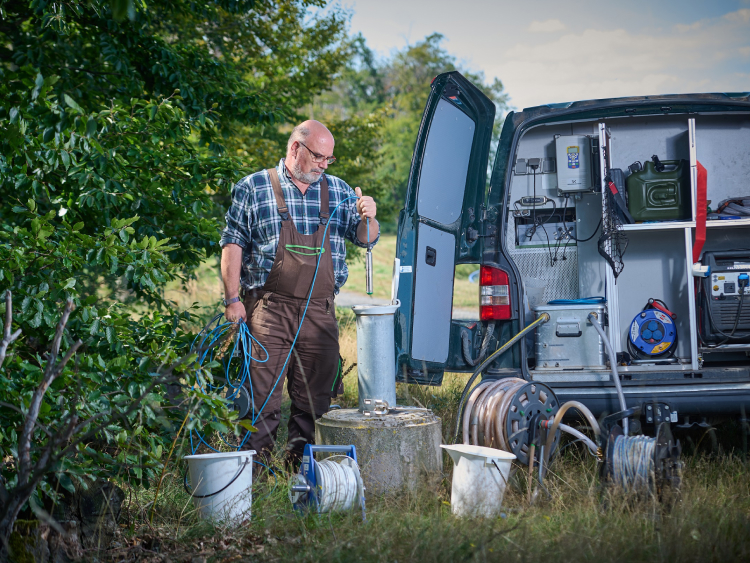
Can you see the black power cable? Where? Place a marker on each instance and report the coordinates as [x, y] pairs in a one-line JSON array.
[[599, 224]]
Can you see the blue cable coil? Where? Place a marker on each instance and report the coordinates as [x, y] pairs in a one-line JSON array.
[[244, 340], [652, 334]]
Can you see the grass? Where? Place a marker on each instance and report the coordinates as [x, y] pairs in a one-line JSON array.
[[579, 522]]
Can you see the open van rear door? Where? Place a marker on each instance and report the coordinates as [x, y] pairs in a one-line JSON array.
[[439, 225]]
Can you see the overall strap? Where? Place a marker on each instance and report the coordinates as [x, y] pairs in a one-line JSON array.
[[325, 211], [280, 201]]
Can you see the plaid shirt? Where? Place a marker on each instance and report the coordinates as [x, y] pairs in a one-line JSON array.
[[254, 223]]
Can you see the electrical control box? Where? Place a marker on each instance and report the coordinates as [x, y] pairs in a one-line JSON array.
[[573, 155]]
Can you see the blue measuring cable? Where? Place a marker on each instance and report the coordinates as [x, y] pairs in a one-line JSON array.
[[582, 301], [214, 336]]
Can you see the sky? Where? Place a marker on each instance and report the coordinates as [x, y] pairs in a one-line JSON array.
[[548, 52]]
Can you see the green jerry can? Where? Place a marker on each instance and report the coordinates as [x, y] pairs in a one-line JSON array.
[[664, 195]]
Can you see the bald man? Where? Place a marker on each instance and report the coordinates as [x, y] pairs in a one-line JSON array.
[[277, 253]]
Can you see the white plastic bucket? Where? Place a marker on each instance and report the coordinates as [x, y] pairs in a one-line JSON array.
[[479, 478], [221, 485]]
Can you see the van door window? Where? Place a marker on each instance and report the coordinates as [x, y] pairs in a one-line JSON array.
[[445, 164]]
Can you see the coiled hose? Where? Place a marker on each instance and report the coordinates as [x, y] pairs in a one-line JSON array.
[[543, 318], [633, 467], [487, 408], [338, 484], [484, 420]]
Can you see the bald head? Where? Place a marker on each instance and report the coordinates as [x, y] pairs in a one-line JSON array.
[[309, 145], [310, 132]]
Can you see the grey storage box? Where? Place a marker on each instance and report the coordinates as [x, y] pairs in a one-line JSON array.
[[568, 341]]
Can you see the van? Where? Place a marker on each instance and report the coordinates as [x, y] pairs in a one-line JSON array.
[[552, 228]]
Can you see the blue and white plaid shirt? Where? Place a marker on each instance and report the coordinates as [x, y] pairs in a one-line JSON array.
[[254, 223]]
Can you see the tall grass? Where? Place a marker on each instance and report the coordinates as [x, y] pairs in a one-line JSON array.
[[579, 521]]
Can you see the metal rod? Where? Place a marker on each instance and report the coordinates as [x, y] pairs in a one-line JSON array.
[[368, 270]]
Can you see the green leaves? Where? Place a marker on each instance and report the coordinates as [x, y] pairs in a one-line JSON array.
[[112, 174], [72, 104], [90, 127], [122, 9], [41, 229], [246, 425]]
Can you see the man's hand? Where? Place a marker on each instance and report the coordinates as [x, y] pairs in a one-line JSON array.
[[366, 206], [235, 312]]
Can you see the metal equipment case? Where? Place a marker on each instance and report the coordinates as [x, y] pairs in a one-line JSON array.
[[569, 341]]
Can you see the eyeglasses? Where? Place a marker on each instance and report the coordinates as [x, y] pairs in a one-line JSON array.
[[319, 158]]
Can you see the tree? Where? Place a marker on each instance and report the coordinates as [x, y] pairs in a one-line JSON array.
[[120, 127], [407, 83], [396, 90], [232, 63], [65, 437]]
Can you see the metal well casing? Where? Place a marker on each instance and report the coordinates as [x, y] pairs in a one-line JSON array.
[[376, 355], [568, 341]]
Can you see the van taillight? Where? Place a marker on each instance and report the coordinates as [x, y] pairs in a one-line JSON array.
[[494, 294]]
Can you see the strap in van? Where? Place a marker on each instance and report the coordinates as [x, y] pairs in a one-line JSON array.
[[701, 210]]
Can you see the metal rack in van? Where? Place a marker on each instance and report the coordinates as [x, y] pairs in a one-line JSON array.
[[659, 256]]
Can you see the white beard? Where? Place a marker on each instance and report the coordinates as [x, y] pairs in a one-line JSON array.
[[306, 178]]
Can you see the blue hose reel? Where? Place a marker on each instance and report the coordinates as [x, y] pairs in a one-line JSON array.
[[653, 333]]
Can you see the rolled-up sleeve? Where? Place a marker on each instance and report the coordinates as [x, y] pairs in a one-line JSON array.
[[238, 217]]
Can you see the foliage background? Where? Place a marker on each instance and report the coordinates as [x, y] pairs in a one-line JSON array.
[[123, 126]]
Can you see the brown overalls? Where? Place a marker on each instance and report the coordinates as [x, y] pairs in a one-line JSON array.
[[275, 312]]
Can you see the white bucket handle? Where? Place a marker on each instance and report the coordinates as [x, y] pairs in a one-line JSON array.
[[245, 463]]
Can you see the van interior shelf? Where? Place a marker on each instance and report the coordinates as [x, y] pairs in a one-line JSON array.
[[554, 232]]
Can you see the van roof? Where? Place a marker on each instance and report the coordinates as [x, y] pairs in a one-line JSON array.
[[640, 100], [637, 105]]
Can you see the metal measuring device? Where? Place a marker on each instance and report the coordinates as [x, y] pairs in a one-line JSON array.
[[368, 261]]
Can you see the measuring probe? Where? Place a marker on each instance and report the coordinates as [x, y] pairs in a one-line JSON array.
[[368, 261]]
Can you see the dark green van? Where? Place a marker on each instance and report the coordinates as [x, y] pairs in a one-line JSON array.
[[547, 227]]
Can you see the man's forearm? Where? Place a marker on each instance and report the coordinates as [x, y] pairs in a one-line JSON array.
[[231, 264], [362, 230]]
